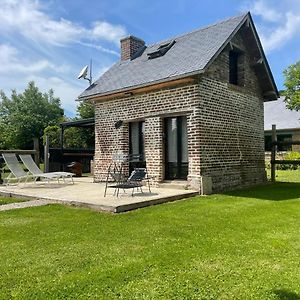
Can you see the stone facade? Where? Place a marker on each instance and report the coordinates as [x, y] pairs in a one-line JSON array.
[[224, 126], [129, 46]]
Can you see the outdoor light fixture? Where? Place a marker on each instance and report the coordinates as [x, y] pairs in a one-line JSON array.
[[128, 93], [118, 124]]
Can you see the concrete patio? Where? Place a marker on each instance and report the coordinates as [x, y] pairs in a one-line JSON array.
[[85, 193]]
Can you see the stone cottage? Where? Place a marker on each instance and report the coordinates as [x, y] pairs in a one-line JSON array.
[[191, 105]]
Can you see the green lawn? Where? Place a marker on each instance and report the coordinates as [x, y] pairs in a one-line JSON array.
[[7, 200], [239, 245]]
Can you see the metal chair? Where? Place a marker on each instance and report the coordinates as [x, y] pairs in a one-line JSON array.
[[135, 180]]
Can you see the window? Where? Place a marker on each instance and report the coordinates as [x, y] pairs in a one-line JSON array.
[[161, 50], [233, 67], [137, 144]]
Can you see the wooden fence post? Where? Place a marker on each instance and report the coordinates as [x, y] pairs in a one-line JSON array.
[[273, 154], [36, 148], [46, 155]]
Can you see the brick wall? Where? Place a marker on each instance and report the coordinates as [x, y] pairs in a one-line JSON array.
[[153, 108], [129, 46], [224, 124], [232, 125]]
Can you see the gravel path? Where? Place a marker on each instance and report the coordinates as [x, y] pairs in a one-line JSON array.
[[31, 203]]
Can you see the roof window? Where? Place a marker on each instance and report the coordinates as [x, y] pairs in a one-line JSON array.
[[161, 50]]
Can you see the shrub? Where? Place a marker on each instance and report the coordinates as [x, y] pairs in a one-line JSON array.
[[292, 155]]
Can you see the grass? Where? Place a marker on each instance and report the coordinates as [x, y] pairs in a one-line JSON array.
[[7, 200], [286, 175], [239, 245]]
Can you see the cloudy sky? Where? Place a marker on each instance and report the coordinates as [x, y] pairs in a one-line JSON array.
[[50, 41]]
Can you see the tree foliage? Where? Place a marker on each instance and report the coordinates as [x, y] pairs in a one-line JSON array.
[[74, 137], [86, 110], [24, 116], [292, 84]]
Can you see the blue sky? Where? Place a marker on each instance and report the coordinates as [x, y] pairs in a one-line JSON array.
[[50, 41]]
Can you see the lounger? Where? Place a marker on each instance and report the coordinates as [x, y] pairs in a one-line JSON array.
[[17, 172], [32, 167]]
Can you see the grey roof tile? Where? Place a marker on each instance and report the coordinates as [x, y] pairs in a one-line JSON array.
[[191, 53]]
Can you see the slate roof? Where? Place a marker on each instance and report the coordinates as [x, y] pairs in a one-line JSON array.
[[277, 113], [190, 55]]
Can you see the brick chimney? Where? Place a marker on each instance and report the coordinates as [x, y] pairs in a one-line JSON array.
[[129, 46]]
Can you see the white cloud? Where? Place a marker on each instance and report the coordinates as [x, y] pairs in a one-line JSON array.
[[282, 34], [29, 49], [28, 18], [98, 47], [280, 21], [107, 31], [263, 10], [11, 62]]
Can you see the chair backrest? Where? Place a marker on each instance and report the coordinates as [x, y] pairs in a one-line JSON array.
[[30, 164], [13, 164], [138, 174]]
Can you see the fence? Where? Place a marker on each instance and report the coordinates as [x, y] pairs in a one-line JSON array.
[[35, 152], [275, 161]]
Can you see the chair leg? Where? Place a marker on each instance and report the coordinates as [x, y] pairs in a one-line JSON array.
[[149, 186]]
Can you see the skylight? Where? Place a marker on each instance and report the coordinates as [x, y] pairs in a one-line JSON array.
[[161, 50]]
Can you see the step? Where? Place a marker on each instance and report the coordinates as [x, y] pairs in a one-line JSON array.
[[174, 184]]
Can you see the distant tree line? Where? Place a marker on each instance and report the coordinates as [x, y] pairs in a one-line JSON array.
[[32, 114]]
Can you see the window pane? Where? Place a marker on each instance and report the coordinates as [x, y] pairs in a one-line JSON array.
[[172, 139], [184, 140], [134, 138]]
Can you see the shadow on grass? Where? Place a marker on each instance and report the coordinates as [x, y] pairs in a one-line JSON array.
[[286, 295], [278, 191]]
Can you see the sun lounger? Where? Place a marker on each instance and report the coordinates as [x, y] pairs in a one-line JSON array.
[[32, 167], [17, 173]]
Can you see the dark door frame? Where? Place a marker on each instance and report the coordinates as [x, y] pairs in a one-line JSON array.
[[180, 171]]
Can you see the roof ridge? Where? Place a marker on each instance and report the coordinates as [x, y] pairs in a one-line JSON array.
[[199, 29]]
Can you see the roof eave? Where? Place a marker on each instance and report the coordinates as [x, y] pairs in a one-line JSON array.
[[148, 84]]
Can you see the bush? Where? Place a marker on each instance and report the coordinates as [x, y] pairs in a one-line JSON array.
[[292, 155]]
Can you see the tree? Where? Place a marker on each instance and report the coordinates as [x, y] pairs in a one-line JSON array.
[[74, 137], [292, 84], [86, 110], [24, 116]]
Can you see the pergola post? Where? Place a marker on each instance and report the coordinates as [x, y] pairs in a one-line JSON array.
[[62, 147], [36, 148], [46, 155]]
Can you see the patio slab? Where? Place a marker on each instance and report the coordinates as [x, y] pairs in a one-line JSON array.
[[85, 193]]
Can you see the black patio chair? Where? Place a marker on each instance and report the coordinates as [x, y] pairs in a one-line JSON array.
[[134, 181]]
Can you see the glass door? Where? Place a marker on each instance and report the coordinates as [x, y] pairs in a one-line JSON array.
[[176, 148], [137, 145]]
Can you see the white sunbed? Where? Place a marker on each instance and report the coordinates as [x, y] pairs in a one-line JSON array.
[[17, 173], [32, 167]]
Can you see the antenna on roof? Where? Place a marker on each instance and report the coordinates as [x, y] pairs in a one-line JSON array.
[[83, 73]]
